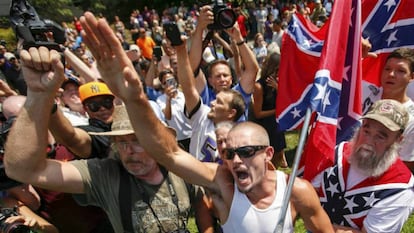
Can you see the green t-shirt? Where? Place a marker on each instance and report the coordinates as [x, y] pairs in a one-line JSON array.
[[101, 178]]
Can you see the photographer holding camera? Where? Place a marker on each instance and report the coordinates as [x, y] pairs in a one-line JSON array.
[[17, 217], [18, 201], [219, 75]]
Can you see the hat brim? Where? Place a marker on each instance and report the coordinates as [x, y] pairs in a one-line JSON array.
[[113, 133], [385, 121], [126, 132]]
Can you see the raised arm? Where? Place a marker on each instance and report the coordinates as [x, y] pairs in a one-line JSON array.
[[79, 66], [206, 17], [25, 150], [151, 74], [248, 59], [227, 50], [77, 140], [309, 207], [186, 78], [237, 60], [124, 82]]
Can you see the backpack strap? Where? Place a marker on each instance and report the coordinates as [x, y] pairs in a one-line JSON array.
[[125, 200]]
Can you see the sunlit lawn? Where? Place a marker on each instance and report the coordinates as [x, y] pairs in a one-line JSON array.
[[292, 139]]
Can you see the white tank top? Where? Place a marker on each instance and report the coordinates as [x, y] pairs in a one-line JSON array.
[[244, 217]]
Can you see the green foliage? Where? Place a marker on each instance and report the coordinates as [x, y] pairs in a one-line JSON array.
[[57, 10], [300, 227], [8, 35]]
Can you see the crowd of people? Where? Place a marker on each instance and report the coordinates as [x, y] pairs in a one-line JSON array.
[[136, 131]]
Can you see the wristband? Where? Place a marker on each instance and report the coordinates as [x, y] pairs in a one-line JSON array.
[[54, 108], [240, 43]]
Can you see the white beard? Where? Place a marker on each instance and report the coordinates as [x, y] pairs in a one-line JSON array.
[[370, 163]]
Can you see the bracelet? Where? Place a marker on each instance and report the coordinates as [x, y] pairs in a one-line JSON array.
[[54, 108], [240, 43]]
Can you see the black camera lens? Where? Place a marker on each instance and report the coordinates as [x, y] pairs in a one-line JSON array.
[[226, 18], [15, 228]]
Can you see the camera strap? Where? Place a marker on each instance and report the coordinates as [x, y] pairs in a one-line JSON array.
[[174, 199], [125, 200]]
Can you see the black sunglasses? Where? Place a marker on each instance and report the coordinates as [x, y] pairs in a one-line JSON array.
[[242, 152], [94, 106]]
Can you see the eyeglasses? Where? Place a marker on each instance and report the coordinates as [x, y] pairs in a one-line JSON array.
[[242, 152], [134, 145], [94, 106]]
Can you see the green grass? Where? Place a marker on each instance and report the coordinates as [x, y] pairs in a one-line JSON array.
[[292, 139]]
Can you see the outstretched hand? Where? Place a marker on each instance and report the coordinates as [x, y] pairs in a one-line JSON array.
[[366, 47], [42, 69], [234, 32], [114, 65], [25, 220]]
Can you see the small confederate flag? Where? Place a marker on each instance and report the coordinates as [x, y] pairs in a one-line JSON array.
[[388, 25], [325, 88]]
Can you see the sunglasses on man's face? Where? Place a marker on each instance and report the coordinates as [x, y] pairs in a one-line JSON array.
[[94, 106], [242, 152]]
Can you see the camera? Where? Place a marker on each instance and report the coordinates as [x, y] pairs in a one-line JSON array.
[[171, 82], [157, 52], [16, 227], [224, 17], [32, 30]]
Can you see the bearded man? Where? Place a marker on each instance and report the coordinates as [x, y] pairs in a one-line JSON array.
[[369, 189]]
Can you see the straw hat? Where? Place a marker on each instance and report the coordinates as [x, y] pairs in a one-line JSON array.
[[121, 124]]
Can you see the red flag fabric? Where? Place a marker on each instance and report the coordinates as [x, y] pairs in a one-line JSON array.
[[342, 44], [301, 49], [320, 86], [388, 25]]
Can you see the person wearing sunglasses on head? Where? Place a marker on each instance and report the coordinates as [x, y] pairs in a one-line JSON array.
[[98, 102]]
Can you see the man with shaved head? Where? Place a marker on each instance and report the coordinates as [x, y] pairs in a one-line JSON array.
[[247, 191]]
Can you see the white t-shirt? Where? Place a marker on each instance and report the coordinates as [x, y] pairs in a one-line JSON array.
[[178, 119], [75, 118], [407, 145], [203, 143]]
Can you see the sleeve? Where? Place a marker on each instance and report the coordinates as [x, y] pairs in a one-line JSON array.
[[152, 93], [390, 214], [100, 146], [247, 100], [407, 145]]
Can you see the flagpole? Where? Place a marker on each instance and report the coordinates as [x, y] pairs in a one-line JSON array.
[[298, 155]]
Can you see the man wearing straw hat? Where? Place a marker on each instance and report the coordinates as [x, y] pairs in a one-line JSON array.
[[137, 194]]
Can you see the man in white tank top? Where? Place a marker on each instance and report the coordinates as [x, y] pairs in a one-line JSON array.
[[246, 172]]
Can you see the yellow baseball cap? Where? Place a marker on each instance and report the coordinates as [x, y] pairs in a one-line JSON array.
[[92, 89]]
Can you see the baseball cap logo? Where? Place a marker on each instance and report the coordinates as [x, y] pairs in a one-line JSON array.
[[386, 108], [95, 89], [92, 89]]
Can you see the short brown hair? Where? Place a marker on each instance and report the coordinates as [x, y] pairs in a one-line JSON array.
[[404, 53], [217, 62], [236, 103]]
